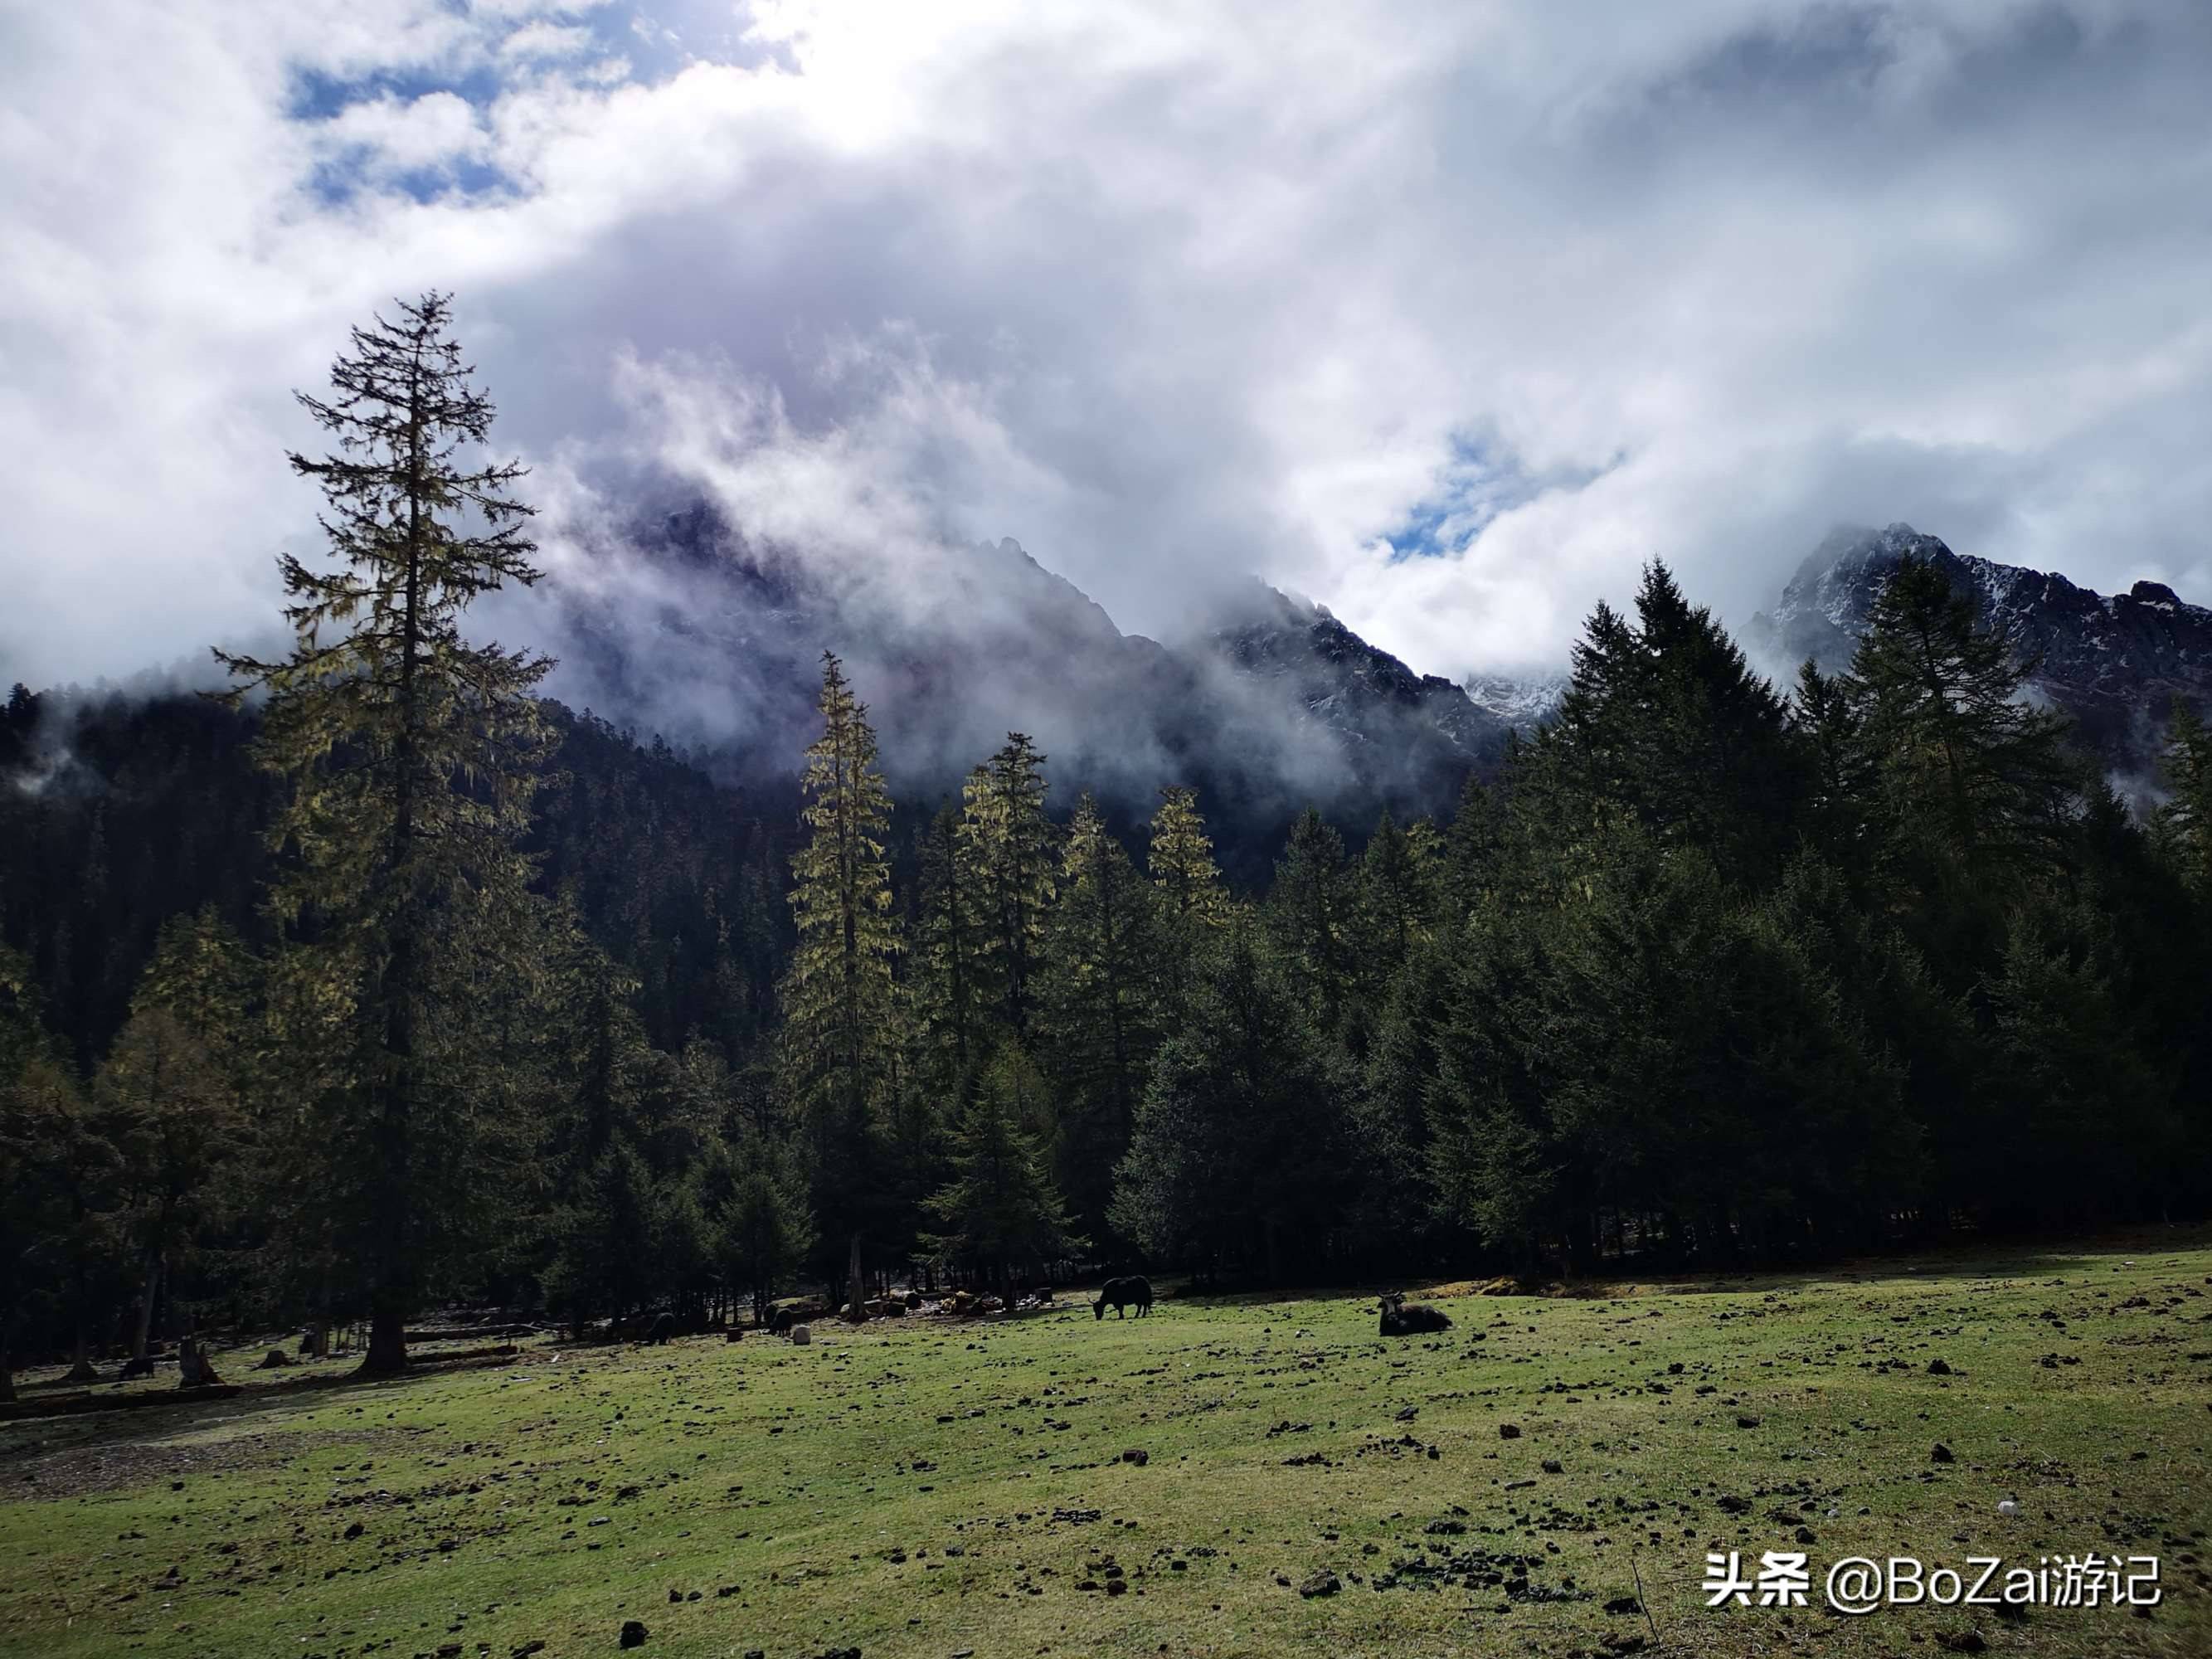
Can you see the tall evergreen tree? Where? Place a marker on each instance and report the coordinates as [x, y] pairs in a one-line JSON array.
[[1012, 852], [1970, 778], [1001, 1212], [1663, 718], [1190, 904], [41, 1118], [764, 1229], [838, 1054], [942, 968], [412, 757], [1827, 712], [1097, 1018], [2185, 817], [1310, 917], [1239, 1153], [177, 1118]]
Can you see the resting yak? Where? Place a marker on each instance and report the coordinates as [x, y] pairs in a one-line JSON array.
[[1398, 1320], [1123, 1294]]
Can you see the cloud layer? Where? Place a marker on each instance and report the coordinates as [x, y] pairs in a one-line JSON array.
[[1447, 316]]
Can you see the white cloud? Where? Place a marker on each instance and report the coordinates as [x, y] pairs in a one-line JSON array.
[[1164, 291]]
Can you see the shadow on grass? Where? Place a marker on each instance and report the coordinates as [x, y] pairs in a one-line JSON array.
[[164, 1413], [1970, 1258]]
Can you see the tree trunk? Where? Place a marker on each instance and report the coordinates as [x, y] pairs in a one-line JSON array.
[[81, 1371], [7, 1365], [855, 1285], [387, 1333], [153, 1288], [395, 1093]]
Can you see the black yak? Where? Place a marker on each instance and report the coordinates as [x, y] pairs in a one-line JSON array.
[[1123, 1294], [1398, 1320], [663, 1328], [782, 1320]]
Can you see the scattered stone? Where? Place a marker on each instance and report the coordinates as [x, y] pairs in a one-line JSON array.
[[1941, 1454], [1746, 1420], [1138, 1456], [1624, 1606], [633, 1633], [1323, 1582], [801, 1335], [1552, 1466], [1509, 1431], [1937, 1368]]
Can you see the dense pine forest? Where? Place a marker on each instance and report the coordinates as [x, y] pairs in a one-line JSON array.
[[385, 981]]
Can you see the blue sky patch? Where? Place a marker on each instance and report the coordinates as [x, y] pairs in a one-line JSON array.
[[1481, 480]]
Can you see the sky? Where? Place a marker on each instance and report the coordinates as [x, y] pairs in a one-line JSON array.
[[1448, 317]]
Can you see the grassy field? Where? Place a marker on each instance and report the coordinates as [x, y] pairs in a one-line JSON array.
[[927, 1488]]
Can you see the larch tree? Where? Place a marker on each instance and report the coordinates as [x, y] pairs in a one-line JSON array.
[[1011, 849], [941, 974], [412, 756], [1097, 1016], [1190, 903], [838, 1052]]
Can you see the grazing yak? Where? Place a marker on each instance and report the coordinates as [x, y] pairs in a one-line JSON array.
[[1121, 1295], [1398, 1320], [663, 1328]]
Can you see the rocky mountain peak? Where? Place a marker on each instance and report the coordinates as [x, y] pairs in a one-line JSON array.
[[2116, 663]]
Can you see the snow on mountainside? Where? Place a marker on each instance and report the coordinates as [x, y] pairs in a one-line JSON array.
[[1523, 705], [2116, 663], [1271, 704]]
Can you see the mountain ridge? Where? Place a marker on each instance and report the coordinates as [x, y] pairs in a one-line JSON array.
[[2114, 663], [1270, 705]]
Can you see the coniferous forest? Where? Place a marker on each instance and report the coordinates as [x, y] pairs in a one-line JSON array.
[[383, 980]]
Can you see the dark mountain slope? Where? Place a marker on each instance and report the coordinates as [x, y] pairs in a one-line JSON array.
[[1272, 706], [2116, 663]]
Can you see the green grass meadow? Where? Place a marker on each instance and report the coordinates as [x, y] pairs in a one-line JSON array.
[[931, 1487]]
